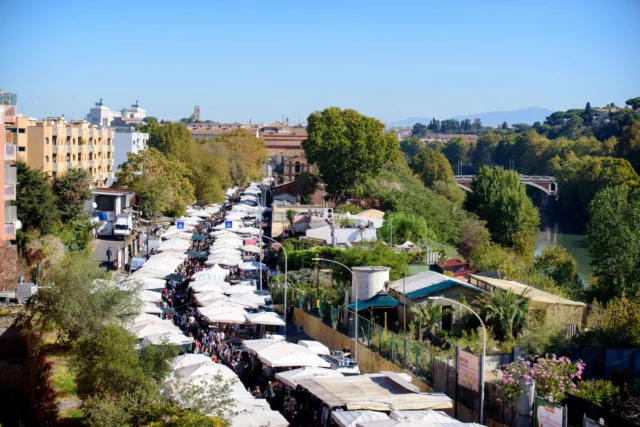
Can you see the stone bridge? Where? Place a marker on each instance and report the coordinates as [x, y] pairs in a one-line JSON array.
[[546, 184]]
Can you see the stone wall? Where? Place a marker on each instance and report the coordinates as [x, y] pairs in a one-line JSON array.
[[368, 361]]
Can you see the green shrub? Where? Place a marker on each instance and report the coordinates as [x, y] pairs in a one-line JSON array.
[[600, 392]]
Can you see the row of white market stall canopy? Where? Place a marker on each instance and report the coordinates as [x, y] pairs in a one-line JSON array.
[[218, 301]]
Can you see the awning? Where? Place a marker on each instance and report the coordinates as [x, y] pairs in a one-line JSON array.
[[352, 418], [175, 276], [199, 237], [380, 300], [375, 392], [290, 377], [204, 254]]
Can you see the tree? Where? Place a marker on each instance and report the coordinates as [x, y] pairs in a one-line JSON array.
[[490, 256], [613, 239], [106, 364], [505, 125], [634, 103], [428, 316], [160, 183], [150, 119], [498, 197], [473, 235], [372, 254], [419, 130], [411, 146], [11, 267], [581, 178], [450, 190], [505, 310], [72, 191], [291, 216], [36, 205], [556, 262], [406, 227], [485, 150], [628, 146], [81, 298], [432, 166], [456, 151], [153, 359], [246, 155], [305, 186], [347, 147]]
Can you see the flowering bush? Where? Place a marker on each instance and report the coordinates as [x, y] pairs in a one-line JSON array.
[[553, 376]]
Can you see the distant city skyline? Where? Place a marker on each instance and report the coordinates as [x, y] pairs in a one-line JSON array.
[[260, 60]]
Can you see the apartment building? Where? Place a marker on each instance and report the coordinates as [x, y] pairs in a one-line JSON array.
[[126, 140], [8, 182], [54, 146]]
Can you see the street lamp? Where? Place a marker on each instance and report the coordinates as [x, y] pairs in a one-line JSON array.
[[484, 352], [285, 279], [355, 339]]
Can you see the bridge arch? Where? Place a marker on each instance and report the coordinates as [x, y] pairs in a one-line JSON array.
[[464, 187]]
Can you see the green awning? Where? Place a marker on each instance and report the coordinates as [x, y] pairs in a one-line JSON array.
[[199, 237], [176, 277], [197, 254], [380, 300]]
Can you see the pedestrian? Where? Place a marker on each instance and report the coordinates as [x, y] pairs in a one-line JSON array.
[[109, 254]]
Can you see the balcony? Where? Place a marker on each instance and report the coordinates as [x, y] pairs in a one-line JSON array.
[[10, 231], [54, 167], [10, 175], [10, 152], [54, 149], [110, 162], [9, 191], [92, 148], [90, 163], [69, 148], [10, 214], [82, 148], [70, 165], [9, 113]]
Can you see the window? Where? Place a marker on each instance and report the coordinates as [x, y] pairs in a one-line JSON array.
[[46, 140], [22, 149], [74, 157], [73, 141], [46, 159], [297, 167]]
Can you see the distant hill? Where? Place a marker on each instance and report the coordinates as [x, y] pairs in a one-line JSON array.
[[491, 118]]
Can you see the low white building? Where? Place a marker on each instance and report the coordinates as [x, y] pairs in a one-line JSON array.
[[125, 141], [343, 236]]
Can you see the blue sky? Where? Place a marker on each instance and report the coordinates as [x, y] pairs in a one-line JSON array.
[[257, 60]]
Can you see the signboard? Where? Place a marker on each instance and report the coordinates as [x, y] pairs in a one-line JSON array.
[[469, 371], [228, 224], [549, 414], [119, 259], [180, 225], [126, 255]]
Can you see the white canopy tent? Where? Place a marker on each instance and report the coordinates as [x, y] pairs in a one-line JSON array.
[[226, 302], [152, 272], [239, 289], [142, 319], [142, 331], [224, 260], [208, 368], [251, 248], [265, 318], [294, 358], [177, 245], [290, 377], [180, 235], [150, 296], [227, 243], [258, 418], [223, 314], [206, 298], [225, 234], [148, 283], [315, 346], [253, 265], [352, 418], [249, 298], [166, 338], [216, 272], [424, 415], [197, 285], [169, 254], [188, 360], [151, 308]]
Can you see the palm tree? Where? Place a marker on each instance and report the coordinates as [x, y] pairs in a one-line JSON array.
[[429, 315], [506, 310]]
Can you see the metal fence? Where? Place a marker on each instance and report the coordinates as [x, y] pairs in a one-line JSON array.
[[407, 354]]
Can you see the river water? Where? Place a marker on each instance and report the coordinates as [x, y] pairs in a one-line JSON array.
[[560, 231]]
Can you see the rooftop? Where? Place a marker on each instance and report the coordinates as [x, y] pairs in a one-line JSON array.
[[428, 283]]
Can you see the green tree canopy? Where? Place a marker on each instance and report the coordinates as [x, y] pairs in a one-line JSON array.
[[634, 103], [432, 166], [72, 191], [457, 150], [613, 239], [506, 311], [247, 155], [411, 146], [581, 178], [35, 201], [371, 254], [419, 130], [556, 262], [406, 227], [305, 186], [499, 198], [161, 184], [347, 147]]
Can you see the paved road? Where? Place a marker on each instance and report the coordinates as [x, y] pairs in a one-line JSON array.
[[103, 243]]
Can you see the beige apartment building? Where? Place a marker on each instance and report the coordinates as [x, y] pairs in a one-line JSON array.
[[55, 145], [8, 152]]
